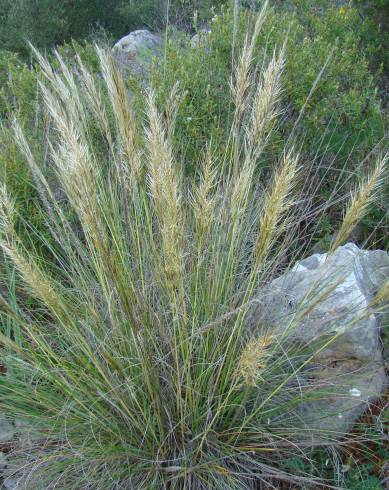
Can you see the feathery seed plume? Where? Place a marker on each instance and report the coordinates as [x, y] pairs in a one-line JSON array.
[[278, 201], [203, 202], [164, 187], [254, 359], [360, 201]]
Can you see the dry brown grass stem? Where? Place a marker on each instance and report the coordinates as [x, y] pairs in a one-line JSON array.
[[361, 199]]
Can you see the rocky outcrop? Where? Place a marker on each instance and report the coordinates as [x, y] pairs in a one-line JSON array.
[[200, 38], [134, 52], [18, 431], [321, 297], [6, 430]]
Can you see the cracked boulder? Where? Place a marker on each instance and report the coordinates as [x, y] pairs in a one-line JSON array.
[[134, 52], [6, 430], [326, 300]]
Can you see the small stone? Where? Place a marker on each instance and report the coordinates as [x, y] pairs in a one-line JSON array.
[[200, 38], [10, 484], [3, 460], [6, 430], [355, 392], [135, 51]]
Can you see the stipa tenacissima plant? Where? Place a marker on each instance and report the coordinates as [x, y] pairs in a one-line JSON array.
[[136, 369]]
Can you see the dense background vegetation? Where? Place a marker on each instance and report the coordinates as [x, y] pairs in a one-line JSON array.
[[345, 117], [49, 22]]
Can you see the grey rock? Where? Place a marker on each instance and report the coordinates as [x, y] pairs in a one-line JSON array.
[[3, 461], [10, 484], [6, 430], [321, 296], [200, 39], [134, 52], [14, 475]]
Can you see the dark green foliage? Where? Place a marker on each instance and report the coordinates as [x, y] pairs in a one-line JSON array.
[[344, 102], [46, 23], [41, 22], [18, 96], [342, 116]]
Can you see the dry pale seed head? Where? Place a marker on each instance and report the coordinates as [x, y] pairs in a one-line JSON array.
[[254, 359], [240, 190], [72, 157], [382, 295], [7, 212], [30, 272], [68, 86], [64, 86], [74, 162], [171, 109], [278, 201], [76, 167], [95, 99], [204, 200], [125, 118], [34, 278], [242, 76], [241, 83], [265, 105], [360, 201], [164, 186], [44, 63], [37, 175]]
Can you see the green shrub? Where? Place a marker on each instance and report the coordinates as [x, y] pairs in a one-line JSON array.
[[344, 103], [156, 14], [47, 23], [41, 22], [20, 98], [342, 116], [137, 368]]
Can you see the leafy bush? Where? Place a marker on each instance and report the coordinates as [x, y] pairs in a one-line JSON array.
[[344, 103], [180, 13], [342, 116], [47, 23], [137, 368], [20, 97]]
